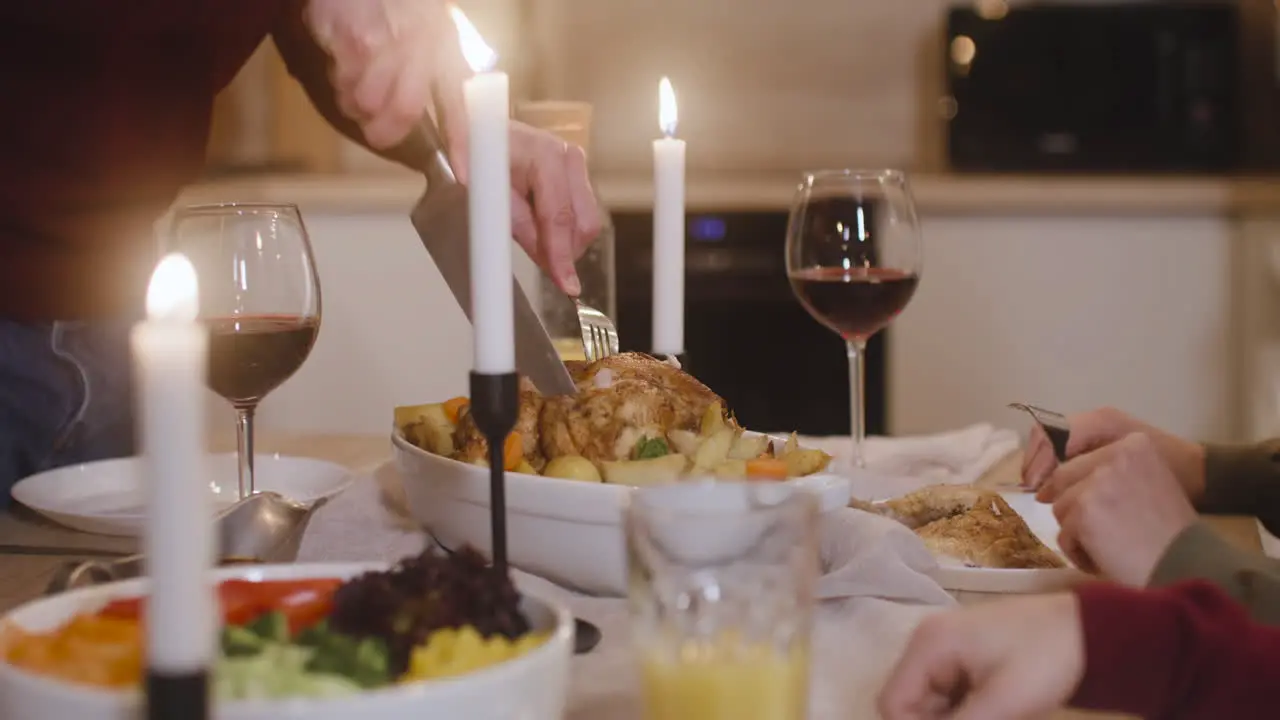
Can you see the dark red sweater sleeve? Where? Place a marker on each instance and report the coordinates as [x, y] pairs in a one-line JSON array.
[[1188, 651]]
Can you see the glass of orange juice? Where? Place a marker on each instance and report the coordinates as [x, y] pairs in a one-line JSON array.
[[721, 583]]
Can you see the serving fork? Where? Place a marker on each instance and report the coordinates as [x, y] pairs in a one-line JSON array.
[[599, 336]]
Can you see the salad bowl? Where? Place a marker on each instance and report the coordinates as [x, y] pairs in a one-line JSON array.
[[530, 686]]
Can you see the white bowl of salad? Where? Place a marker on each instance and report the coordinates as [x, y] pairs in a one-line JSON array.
[[315, 641]]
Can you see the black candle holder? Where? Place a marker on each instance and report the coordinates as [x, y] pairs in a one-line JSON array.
[[495, 404], [177, 696]]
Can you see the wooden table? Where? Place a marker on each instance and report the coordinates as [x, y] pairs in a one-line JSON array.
[[24, 577]]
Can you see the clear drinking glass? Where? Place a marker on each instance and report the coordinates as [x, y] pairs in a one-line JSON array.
[[722, 590], [260, 297], [854, 260]]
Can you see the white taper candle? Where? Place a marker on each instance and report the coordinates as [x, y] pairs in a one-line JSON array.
[[170, 351], [487, 98], [668, 229]]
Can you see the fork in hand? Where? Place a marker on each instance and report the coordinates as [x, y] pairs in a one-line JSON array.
[[599, 336]]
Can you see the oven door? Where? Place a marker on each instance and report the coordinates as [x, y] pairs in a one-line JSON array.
[[746, 336]]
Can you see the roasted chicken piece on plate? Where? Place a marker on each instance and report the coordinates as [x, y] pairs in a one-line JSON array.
[[472, 446], [974, 526], [622, 399], [917, 509], [991, 535]]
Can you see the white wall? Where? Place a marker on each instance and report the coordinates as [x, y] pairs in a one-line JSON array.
[[1069, 313], [391, 332]]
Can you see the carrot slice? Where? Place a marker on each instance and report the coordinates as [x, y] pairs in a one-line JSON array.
[[512, 451], [770, 468], [453, 407]]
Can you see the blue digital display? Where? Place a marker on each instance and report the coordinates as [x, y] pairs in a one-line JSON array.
[[707, 228]]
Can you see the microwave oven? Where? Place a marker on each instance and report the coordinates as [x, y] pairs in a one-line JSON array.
[[1119, 87]]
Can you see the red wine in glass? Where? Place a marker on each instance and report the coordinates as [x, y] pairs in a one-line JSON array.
[[259, 298], [853, 259], [856, 303], [249, 356]]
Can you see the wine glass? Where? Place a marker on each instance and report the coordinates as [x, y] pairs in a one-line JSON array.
[[259, 297], [854, 260]]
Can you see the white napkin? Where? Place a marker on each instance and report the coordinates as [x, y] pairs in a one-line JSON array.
[[866, 555], [874, 589], [900, 464]]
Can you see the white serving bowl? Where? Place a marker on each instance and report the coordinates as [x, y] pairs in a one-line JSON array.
[[533, 686], [567, 531]]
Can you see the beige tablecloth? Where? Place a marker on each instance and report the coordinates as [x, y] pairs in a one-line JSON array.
[[874, 585], [856, 638]]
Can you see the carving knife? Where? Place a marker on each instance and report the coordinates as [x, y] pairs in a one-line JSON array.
[[441, 219]]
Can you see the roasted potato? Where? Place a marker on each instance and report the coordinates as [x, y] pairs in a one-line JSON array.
[[712, 420], [526, 468], [572, 467], [731, 470], [748, 447], [406, 415], [685, 442], [414, 432], [802, 461], [793, 444], [714, 450], [655, 471], [427, 426]]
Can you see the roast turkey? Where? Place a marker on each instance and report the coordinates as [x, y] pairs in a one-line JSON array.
[[472, 446], [622, 399]]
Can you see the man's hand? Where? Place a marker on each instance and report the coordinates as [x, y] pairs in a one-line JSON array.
[[1119, 508], [554, 215], [1003, 660], [392, 60], [1096, 429]]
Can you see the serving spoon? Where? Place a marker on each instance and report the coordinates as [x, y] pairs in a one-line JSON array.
[[263, 528]]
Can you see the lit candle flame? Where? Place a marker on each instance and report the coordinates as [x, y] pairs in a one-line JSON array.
[[667, 115], [478, 54], [172, 293]]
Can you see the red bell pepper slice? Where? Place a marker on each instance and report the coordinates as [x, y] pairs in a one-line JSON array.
[[303, 602]]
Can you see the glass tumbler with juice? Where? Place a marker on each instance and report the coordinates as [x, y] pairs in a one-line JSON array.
[[721, 591]]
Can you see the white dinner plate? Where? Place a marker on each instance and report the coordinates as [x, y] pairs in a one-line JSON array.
[[106, 497], [952, 575]]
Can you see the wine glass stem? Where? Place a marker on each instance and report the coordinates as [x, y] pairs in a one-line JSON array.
[[857, 399], [244, 448]]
